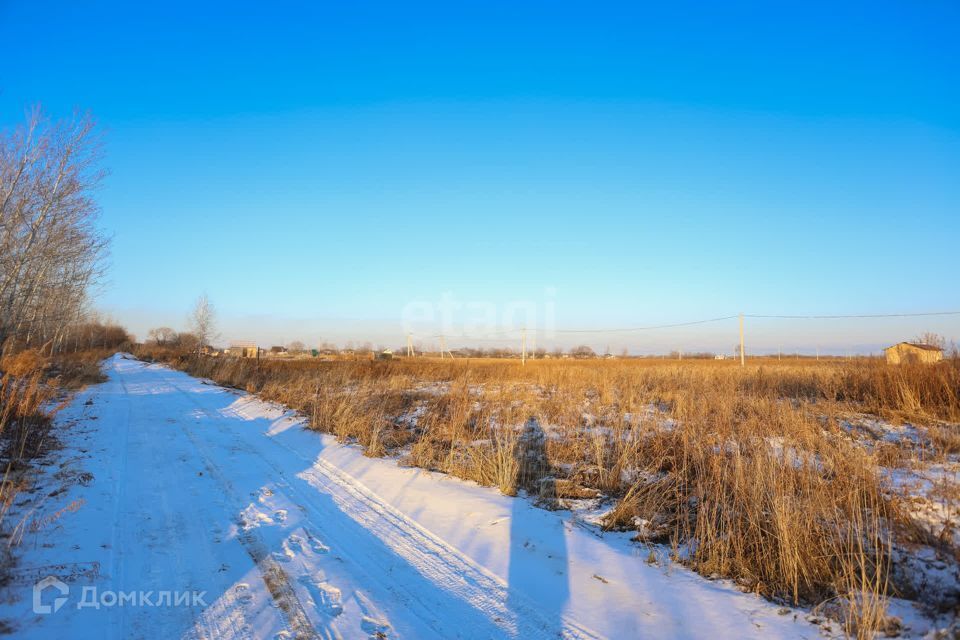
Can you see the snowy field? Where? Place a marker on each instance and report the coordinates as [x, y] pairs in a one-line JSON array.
[[179, 509]]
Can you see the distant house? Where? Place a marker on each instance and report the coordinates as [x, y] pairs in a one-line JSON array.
[[243, 349], [278, 350], [911, 352]]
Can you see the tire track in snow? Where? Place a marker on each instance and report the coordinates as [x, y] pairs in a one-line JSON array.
[[446, 567], [273, 576], [119, 530], [326, 597]]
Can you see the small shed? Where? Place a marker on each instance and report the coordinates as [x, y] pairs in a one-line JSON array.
[[913, 352], [243, 350]]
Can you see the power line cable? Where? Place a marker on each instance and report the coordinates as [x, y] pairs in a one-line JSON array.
[[647, 328], [869, 315]]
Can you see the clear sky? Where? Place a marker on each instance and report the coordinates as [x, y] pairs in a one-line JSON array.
[[338, 170]]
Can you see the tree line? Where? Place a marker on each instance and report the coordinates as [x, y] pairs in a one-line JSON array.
[[51, 251]]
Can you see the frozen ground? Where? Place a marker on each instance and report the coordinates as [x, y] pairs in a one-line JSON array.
[[186, 510]]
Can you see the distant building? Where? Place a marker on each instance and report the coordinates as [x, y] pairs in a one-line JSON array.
[[911, 352], [243, 349], [278, 350]]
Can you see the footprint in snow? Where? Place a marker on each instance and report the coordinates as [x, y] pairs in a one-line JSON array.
[[296, 542], [250, 518], [242, 592], [372, 621], [326, 597], [289, 551], [315, 543], [376, 628]]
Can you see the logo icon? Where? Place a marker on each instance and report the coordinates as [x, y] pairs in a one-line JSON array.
[[43, 585]]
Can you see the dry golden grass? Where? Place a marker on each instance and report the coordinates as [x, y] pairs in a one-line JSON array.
[[747, 472], [30, 382], [23, 425]]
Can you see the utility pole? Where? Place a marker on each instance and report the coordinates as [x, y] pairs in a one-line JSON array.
[[443, 347], [410, 345], [523, 346], [742, 358], [679, 354], [818, 353], [779, 353]]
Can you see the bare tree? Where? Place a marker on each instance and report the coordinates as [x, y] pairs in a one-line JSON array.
[[296, 347], [51, 252], [582, 351], [932, 339], [203, 321], [162, 336], [187, 342]]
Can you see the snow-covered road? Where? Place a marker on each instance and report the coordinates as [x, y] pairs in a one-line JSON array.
[[181, 509]]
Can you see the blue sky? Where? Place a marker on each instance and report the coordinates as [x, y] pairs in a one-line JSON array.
[[320, 169]]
